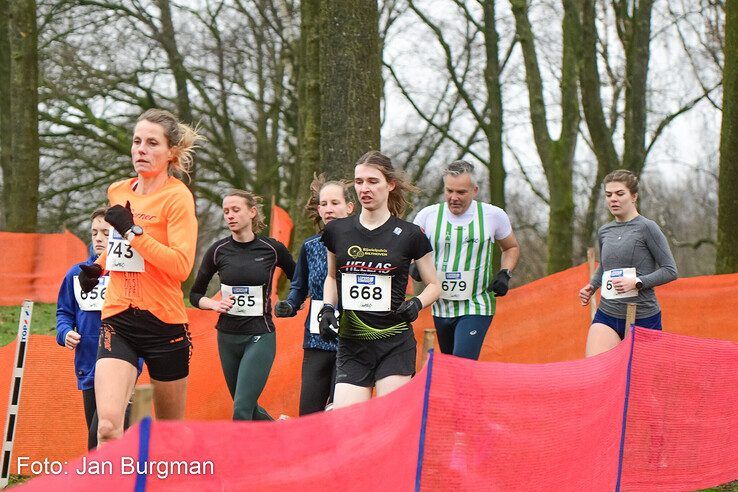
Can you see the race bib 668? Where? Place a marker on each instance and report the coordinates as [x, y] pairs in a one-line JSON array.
[[363, 292]]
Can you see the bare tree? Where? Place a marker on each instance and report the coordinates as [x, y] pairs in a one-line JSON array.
[[727, 245], [483, 103], [634, 32], [689, 225], [350, 82], [235, 77], [466, 118], [556, 155], [308, 114], [5, 120], [21, 170]]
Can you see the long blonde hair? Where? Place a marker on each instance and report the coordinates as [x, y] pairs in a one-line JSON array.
[[181, 138]]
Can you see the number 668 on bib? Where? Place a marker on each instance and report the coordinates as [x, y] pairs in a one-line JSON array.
[[363, 292]]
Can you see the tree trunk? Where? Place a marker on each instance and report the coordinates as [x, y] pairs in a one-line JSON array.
[[634, 31], [599, 132], [21, 175], [5, 121], [556, 155], [636, 74], [176, 63], [308, 114], [168, 41], [266, 177], [350, 74], [493, 131], [726, 260], [561, 207], [533, 81]]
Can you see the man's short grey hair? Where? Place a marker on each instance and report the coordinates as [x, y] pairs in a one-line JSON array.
[[457, 168]]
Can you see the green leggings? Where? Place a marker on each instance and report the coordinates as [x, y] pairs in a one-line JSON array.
[[246, 362]]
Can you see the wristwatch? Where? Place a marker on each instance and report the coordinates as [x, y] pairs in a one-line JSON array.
[[639, 283], [136, 230], [507, 272]]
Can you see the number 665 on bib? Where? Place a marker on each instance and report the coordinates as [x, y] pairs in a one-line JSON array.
[[248, 300]]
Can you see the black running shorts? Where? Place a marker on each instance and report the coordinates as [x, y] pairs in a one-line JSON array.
[[364, 362], [134, 333]]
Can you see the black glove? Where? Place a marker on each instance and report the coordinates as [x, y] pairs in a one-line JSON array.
[[414, 273], [120, 217], [328, 324], [409, 309], [283, 309], [88, 276], [499, 284]]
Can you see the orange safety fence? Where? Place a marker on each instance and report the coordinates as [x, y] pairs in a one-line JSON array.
[[658, 412], [537, 323], [280, 228], [33, 265]]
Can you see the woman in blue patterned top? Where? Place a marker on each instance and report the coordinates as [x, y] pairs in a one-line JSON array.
[[329, 200]]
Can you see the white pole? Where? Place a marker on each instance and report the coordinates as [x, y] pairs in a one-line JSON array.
[[11, 421]]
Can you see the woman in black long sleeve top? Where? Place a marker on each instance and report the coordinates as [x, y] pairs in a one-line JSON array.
[[245, 263]]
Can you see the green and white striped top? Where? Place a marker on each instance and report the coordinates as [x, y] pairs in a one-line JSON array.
[[462, 248]]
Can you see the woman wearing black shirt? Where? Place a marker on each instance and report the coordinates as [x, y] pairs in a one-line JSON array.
[[369, 256], [245, 263]]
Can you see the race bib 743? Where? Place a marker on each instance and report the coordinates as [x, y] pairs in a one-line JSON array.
[[121, 255]]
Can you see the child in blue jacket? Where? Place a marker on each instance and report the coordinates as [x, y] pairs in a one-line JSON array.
[[78, 322]]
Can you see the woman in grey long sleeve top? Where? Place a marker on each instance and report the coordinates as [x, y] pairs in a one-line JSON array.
[[634, 258]]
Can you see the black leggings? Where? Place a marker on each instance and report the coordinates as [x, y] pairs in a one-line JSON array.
[[246, 362], [318, 380], [88, 400]]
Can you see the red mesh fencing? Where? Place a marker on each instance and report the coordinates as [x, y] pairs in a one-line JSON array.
[[525, 426], [531, 326], [682, 427], [365, 447], [477, 426]]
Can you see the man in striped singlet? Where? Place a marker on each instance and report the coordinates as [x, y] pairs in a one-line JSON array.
[[462, 232]]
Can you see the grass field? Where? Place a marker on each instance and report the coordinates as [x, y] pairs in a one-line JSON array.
[[728, 487], [43, 322]]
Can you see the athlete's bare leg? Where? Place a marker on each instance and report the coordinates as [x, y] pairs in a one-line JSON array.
[[170, 398], [390, 384], [348, 394], [114, 380], [601, 338]]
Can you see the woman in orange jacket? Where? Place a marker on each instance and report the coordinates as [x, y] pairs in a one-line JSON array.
[[150, 252]]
